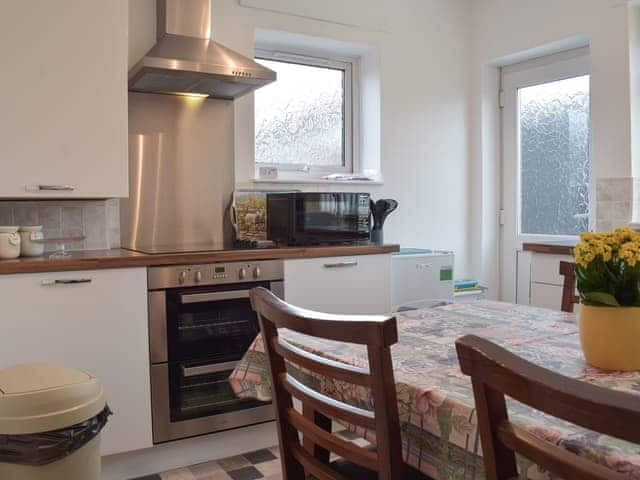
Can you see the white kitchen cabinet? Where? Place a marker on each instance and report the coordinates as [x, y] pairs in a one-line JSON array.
[[358, 284], [545, 268], [541, 273], [99, 326], [545, 295], [63, 92]]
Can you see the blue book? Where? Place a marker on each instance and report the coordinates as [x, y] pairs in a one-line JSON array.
[[463, 284]]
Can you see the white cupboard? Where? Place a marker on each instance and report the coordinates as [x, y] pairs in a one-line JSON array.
[[353, 285], [63, 92], [539, 279], [98, 324]]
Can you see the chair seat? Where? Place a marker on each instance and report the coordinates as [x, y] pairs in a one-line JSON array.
[[352, 471]]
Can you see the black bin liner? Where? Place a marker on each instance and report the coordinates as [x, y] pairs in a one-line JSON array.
[[37, 449]]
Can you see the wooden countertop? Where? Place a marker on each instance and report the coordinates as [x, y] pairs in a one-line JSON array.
[[120, 258], [558, 248]]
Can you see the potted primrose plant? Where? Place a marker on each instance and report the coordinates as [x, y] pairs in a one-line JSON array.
[[608, 276]]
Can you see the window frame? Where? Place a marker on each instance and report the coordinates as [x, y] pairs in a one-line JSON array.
[[547, 69], [350, 112]]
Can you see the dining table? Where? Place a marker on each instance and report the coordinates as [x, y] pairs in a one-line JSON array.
[[435, 401]]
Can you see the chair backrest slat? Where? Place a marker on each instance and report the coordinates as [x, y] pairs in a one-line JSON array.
[[327, 405], [315, 467], [359, 329], [569, 297], [361, 456], [496, 373], [323, 366], [377, 333], [558, 460]]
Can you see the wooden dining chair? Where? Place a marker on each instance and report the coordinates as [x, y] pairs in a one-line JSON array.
[[311, 457], [569, 297], [496, 373]]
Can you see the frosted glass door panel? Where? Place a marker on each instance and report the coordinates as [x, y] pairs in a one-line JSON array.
[[554, 157], [299, 119]]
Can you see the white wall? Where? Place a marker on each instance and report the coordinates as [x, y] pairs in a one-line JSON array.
[[505, 31], [424, 67], [424, 74]]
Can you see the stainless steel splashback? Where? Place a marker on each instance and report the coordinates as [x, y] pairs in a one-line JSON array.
[[181, 174]]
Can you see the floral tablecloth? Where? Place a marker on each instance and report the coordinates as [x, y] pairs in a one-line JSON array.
[[435, 400]]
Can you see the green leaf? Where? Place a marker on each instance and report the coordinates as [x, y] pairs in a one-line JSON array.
[[601, 298]]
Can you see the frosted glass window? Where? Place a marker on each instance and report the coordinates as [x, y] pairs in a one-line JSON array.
[[554, 157], [300, 118]]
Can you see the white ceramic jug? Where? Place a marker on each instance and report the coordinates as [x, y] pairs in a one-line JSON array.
[[30, 241], [9, 242]]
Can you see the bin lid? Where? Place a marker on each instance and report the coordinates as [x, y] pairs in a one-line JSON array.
[[41, 397]]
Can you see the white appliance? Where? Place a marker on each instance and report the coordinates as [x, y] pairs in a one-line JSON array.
[[420, 276]]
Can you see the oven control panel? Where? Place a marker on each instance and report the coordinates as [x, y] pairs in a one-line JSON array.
[[214, 274]]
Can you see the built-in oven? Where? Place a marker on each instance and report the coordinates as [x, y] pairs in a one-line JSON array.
[[201, 324]]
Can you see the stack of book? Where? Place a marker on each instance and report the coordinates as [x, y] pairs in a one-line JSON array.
[[467, 287]]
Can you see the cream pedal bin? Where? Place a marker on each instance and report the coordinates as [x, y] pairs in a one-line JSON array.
[[44, 411]]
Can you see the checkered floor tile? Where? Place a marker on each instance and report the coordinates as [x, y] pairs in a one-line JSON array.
[[258, 465]]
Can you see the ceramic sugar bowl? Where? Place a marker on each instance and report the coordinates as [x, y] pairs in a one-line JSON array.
[[9, 242], [31, 241]]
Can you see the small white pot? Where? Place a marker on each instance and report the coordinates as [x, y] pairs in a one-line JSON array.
[[29, 236], [9, 242]]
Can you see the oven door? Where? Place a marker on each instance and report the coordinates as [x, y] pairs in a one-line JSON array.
[[211, 324], [332, 216], [196, 399]]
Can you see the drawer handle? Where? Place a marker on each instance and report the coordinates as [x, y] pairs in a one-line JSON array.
[[50, 188], [65, 281], [354, 263]]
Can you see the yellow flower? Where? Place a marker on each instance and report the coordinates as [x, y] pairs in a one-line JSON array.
[[595, 245], [630, 252], [626, 234], [589, 236]]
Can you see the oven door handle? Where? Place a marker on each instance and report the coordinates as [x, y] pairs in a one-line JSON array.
[[205, 369], [213, 296]]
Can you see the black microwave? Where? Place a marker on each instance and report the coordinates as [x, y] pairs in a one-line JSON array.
[[309, 218]]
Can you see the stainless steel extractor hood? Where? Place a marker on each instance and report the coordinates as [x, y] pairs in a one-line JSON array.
[[186, 61]]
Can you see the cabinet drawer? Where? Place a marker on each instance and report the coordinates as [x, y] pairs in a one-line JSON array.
[[547, 296], [545, 268], [360, 284], [89, 320]]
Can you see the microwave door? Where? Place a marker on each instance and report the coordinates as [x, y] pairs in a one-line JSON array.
[[329, 214]]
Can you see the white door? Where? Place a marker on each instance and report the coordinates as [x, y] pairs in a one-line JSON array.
[[63, 95], [96, 321], [545, 160]]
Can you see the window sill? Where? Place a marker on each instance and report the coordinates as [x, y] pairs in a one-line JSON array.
[[316, 181]]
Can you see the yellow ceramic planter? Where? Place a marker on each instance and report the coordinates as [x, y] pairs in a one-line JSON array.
[[610, 337]]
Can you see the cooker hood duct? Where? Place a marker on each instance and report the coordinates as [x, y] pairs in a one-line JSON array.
[[186, 61]]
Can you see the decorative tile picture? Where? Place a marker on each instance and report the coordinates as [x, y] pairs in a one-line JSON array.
[[251, 214]]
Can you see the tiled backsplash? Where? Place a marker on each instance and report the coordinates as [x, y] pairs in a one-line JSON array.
[[97, 220], [616, 199]]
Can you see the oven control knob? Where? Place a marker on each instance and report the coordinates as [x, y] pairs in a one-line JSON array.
[[198, 277], [182, 277], [242, 273], [257, 272]]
